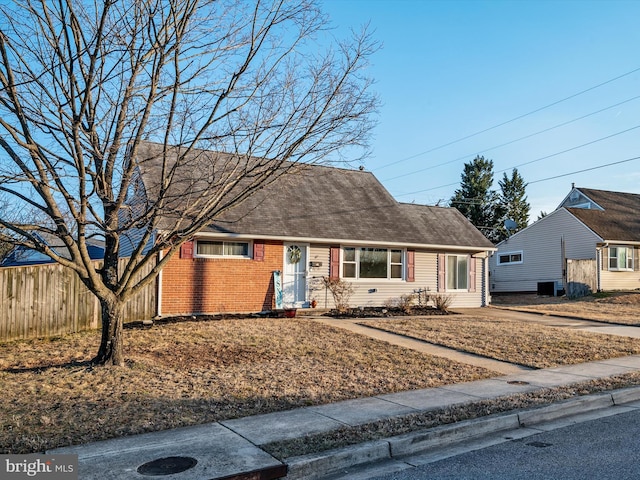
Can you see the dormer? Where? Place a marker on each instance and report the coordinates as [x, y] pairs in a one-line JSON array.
[[577, 199]]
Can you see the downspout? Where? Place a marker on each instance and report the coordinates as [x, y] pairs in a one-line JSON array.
[[486, 295], [159, 288], [598, 267]]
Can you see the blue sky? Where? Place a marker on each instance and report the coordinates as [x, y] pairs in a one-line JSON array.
[[448, 70]]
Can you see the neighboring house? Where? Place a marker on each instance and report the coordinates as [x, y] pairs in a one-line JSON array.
[[320, 222], [588, 224], [21, 256]]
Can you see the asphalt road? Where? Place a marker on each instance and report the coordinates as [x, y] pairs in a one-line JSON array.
[[603, 449]]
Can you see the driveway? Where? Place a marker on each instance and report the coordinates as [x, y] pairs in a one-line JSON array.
[[554, 321]]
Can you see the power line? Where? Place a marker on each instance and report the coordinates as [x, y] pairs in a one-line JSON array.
[[569, 149], [585, 170], [508, 121], [513, 141], [531, 161]]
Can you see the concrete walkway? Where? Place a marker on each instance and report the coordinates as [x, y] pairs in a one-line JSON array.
[[356, 326], [231, 449], [555, 321]]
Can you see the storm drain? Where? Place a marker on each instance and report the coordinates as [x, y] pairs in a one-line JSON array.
[[539, 444], [518, 382], [167, 466]]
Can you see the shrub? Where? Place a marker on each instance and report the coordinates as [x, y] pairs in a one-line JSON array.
[[441, 302], [341, 292], [406, 302], [390, 303]]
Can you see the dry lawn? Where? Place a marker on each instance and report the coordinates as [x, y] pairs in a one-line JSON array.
[[523, 343], [614, 307], [188, 373], [194, 372]]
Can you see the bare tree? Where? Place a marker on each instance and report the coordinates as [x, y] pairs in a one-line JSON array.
[[84, 84]]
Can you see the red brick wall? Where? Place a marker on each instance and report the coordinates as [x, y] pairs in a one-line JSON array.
[[220, 285]]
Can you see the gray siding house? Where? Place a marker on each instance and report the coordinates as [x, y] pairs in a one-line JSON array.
[[589, 224], [317, 221]]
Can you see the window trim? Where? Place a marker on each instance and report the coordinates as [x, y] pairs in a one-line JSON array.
[[356, 263], [515, 252], [468, 259], [617, 268], [223, 242]]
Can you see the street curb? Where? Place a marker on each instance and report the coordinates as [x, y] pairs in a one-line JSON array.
[[319, 465], [416, 442], [566, 408]]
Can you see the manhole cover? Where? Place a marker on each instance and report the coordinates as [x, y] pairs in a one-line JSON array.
[[517, 382], [167, 466], [539, 444]]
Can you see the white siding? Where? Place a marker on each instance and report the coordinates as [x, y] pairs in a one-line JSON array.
[[319, 253], [470, 299], [375, 293], [620, 280], [540, 244]]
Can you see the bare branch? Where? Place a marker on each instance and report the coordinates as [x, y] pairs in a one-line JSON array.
[[83, 85]]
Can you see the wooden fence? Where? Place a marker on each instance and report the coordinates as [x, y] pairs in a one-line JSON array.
[[49, 300], [581, 277]]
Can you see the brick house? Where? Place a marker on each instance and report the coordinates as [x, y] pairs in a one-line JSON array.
[[313, 222]]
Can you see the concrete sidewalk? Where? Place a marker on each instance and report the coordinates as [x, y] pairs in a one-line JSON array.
[[231, 449]]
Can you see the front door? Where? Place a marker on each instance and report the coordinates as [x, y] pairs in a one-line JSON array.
[[294, 279]]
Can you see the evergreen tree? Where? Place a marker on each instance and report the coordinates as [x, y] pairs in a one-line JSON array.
[[475, 199], [513, 203]]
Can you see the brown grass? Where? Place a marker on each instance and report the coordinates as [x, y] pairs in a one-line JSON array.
[[180, 374], [523, 343], [188, 373], [615, 307]]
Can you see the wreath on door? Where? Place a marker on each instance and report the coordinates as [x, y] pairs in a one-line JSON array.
[[294, 253]]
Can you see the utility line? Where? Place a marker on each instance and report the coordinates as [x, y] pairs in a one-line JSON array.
[[512, 141], [584, 170], [531, 161], [568, 149], [508, 121]]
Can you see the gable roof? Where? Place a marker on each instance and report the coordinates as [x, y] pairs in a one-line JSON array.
[[341, 205], [618, 221]]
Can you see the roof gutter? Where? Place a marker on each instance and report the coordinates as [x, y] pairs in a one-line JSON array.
[[606, 243], [340, 241]]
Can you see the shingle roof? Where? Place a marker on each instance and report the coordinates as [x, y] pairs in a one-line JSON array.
[[620, 220], [328, 203]]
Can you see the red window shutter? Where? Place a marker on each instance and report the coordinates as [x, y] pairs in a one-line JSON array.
[[411, 266], [442, 259], [186, 250], [472, 274], [258, 250], [334, 262]]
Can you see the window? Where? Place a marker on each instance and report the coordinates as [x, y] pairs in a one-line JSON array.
[[373, 263], [509, 258], [210, 248], [457, 272], [620, 258]]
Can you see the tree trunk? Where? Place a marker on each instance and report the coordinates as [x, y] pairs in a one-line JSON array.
[[111, 348]]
